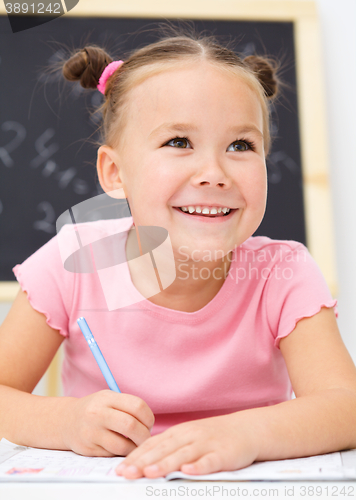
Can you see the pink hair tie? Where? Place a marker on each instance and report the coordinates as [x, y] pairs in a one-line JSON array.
[[108, 71]]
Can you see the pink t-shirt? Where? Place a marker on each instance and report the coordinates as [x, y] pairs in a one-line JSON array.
[[220, 359]]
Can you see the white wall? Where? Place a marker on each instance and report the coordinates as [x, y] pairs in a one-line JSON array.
[[338, 31], [338, 22]]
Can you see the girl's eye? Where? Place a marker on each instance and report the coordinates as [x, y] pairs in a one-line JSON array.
[[179, 141], [240, 145], [243, 145]]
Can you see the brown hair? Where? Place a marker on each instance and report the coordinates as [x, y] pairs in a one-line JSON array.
[[87, 65]]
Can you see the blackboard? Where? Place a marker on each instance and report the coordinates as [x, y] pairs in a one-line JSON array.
[[47, 163]]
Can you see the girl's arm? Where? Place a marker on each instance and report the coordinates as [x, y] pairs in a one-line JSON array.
[[322, 417], [27, 346], [320, 420], [94, 425]]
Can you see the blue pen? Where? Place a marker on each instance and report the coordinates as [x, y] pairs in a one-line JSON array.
[[99, 358]]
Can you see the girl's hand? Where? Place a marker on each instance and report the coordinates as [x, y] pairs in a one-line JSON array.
[[198, 447], [106, 424]]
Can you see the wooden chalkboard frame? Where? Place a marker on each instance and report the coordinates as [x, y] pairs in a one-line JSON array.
[[310, 92]]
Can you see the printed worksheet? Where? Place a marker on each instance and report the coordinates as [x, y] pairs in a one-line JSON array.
[[20, 463]]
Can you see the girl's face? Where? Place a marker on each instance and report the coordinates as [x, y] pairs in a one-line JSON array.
[[186, 145]]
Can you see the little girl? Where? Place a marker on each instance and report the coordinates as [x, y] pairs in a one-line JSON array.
[[207, 366]]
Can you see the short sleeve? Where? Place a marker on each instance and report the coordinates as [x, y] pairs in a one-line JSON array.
[[47, 284], [296, 289]]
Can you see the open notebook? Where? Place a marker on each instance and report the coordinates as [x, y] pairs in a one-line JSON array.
[[20, 463]]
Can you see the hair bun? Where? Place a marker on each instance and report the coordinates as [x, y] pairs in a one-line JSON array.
[[86, 65], [265, 70]]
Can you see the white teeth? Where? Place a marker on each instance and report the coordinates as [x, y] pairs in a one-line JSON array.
[[205, 210]]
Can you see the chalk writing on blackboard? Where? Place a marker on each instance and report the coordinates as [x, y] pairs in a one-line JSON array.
[[44, 152], [48, 223], [14, 143]]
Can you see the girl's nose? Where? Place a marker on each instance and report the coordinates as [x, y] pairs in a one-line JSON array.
[[211, 173]]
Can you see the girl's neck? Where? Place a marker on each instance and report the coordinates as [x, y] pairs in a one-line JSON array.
[[190, 292], [195, 284]]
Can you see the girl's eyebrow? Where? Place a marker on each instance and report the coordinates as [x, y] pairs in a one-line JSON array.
[[186, 127], [174, 127]]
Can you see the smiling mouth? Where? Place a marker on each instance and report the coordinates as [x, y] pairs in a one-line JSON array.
[[206, 212]]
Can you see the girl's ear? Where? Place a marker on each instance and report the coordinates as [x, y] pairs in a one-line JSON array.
[[107, 165]]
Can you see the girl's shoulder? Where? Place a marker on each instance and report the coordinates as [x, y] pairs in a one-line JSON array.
[[98, 228], [72, 242], [257, 243], [264, 249], [74, 238]]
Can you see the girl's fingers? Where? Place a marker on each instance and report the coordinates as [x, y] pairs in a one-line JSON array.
[[207, 464], [150, 452], [158, 468], [133, 406], [95, 451], [141, 450], [126, 425], [152, 445], [116, 444]]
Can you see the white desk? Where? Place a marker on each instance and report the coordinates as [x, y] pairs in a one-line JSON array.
[[179, 489]]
